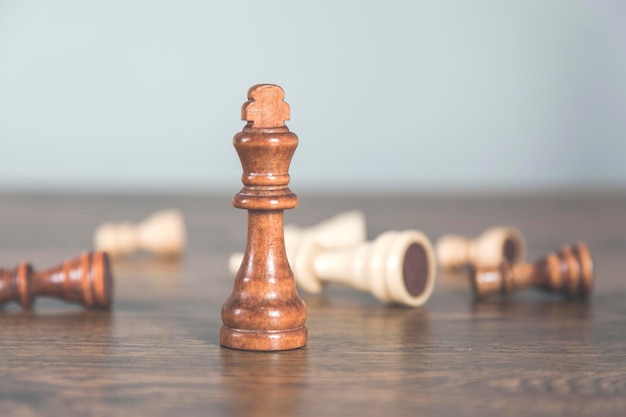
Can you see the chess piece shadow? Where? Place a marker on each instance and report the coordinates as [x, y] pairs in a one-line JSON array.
[[406, 327], [270, 384]]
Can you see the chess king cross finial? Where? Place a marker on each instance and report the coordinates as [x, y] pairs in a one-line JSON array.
[[265, 107]]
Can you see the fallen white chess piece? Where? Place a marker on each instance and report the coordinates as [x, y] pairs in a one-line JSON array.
[[397, 267], [162, 234], [489, 250]]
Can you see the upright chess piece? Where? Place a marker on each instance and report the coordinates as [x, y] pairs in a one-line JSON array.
[[264, 311], [162, 234], [490, 249], [341, 231], [86, 280], [568, 271], [397, 267]]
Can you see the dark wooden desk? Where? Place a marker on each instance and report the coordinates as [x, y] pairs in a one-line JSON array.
[[157, 353]]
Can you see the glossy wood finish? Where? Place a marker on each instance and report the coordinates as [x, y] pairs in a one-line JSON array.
[[86, 280], [568, 271], [264, 311], [162, 234], [494, 246], [157, 351]]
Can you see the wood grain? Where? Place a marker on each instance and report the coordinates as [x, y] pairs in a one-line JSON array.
[[157, 351]]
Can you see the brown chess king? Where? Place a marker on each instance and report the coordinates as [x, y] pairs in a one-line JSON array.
[[264, 311]]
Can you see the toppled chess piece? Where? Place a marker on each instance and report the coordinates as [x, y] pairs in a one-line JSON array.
[[86, 280], [397, 267], [264, 311], [335, 251], [341, 231], [162, 234], [490, 249], [568, 271]]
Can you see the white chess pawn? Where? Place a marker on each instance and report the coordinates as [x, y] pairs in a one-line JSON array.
[[397, 267], [493, 246], [343, 230], [162, 234]]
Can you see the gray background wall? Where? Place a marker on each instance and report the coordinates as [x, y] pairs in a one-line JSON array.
[[415, 95]]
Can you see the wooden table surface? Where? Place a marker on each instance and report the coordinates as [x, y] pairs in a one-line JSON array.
[[157, 351]]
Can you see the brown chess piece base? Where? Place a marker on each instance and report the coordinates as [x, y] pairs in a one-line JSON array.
[[264, 311]]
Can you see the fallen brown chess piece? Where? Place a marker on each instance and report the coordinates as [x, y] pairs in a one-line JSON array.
[[568, 271], [86, 280]]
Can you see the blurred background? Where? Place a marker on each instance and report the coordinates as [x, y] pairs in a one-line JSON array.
[[395, 95]]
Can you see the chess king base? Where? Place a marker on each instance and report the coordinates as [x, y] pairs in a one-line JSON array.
[[271, 319], [263, 340]]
